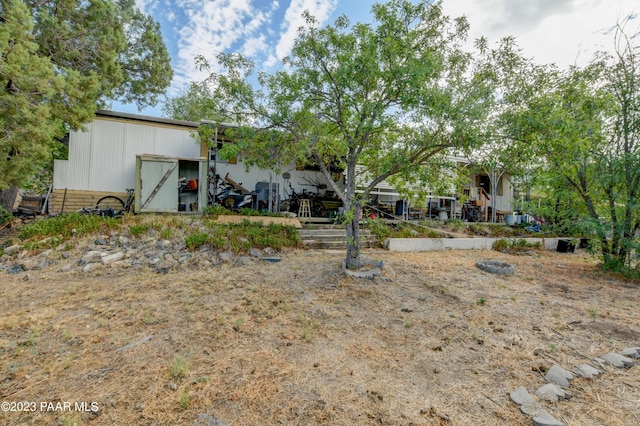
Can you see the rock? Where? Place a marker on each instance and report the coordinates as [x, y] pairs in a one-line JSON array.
[[65, 268], [28, 264], [164, 266], [241, 260], [376, 268], [91, 257], [530, 409], [90, 267], [545, 419], [586, 371], [15, 269], [225, 256], [11, 250], [110, 258], [631, 352], [495, 267], [40, 264], [100, 242], [206, 420], [551, 392], [256, 252], [617, 360], [64, 255], [559, 376], [120, 264], [268, 251], [521, 396]]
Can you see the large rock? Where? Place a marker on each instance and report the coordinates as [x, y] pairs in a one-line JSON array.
[[521, 396], [545, 419], [586, 371], [559, 376], [110, 258], [617, 360], [11, 250], [631, 352], [551, 392]]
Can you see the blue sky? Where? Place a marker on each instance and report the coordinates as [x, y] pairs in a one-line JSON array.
[[550, 31]]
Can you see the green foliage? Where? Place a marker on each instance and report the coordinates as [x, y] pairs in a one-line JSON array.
[[60, 61], [240, 237], [455, 224], [179, 367], [215, 211], [5, 216], [66, 225], [582, 125], [136, 230], [348, 92], [383, 230], [195, 240], [515, 245]]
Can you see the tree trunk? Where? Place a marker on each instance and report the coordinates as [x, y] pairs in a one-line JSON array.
[[353, 237]]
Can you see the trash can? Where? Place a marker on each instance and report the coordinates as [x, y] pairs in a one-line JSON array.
[[565, 246]]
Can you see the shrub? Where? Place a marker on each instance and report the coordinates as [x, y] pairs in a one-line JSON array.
[[136, 230], [5, 216], [515, 245], [195, 240], [64, 224]]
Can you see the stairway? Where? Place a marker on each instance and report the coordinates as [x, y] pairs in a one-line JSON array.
[[332, 237]]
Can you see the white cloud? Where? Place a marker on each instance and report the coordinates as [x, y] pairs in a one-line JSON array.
[[293, 20], [564, 32]]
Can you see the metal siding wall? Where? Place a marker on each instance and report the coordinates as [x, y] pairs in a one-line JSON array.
[[139, 140], [60, 173], [77, 176], [175, 143], [106, 157]]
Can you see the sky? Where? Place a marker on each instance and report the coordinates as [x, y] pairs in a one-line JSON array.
[[564, 32]]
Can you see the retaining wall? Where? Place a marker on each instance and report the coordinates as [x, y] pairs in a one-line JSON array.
[[433, 244]]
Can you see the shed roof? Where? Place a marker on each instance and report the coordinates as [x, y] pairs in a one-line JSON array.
[[146, 118]]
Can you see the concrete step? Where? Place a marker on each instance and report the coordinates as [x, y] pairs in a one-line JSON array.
[[332, 237], [337, 245]]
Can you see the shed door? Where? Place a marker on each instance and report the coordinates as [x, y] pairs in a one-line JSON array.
[[159, 185]]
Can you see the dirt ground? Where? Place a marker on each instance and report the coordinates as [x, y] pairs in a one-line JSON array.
[[432, 341]]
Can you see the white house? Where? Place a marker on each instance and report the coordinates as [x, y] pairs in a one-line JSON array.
[[154, 155]]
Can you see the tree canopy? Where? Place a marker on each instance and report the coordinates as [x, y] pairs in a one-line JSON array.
[[582, 126], [393, 98], [60, 61]]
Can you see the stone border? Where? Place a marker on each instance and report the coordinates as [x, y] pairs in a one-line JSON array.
[[495, 267], [560, 379]]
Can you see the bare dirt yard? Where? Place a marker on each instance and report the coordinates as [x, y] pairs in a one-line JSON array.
[[432, 341]]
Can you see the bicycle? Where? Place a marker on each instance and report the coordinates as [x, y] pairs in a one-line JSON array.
[[292, 204], [111, 206]]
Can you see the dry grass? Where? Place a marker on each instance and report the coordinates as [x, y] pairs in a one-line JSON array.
[[435, 340]]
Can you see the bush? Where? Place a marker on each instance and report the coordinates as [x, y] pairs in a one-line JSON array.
[[5, 216], [64, 225], [194, 241], [515, 245]]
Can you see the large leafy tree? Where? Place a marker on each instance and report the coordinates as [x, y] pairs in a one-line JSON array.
[[584, 127], [59, 61], [379, 100]]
